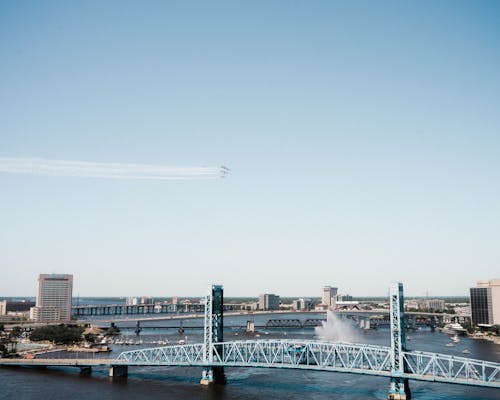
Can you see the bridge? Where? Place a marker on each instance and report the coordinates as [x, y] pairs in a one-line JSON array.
[[396, 362], [316, 355]]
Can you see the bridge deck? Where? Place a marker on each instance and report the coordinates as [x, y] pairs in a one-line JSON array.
[[62, 362]]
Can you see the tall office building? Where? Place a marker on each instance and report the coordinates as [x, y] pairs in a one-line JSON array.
[[53, 302], [485, 302], [329, 296], [269, 302]]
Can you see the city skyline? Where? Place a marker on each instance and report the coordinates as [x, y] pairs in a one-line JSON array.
[[319, 295], [362, 138]]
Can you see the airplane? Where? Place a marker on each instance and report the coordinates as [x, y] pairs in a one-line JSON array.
[[224, 171]]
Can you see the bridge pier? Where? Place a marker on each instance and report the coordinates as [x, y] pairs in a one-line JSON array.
[[87, 370], [250, 327], [400, 389], [118, 371], [213, 375]]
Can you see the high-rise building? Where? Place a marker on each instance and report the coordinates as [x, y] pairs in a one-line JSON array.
[[485, 302], [53, 302], [329, 296], [269, 302]]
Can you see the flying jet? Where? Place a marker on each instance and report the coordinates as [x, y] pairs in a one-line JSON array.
[[224, 171]]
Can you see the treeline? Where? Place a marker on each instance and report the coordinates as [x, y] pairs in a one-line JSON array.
[[59, 334]]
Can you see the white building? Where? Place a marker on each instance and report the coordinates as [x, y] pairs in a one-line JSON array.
[[54, 299], [302, 304], [329, 296], [425, 304]]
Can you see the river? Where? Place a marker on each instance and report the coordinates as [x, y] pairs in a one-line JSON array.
[[243, 383]]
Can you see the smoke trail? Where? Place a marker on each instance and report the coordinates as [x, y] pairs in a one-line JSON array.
[[337, 329], [41, 166]]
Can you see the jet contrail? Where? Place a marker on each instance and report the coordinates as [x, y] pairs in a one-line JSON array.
[[42, 166]]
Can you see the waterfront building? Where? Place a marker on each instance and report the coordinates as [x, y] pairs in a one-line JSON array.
[[133, 301], [15, 307], [329, 296], [302, 304], [269, 302], [485, 302], [53, 302], [425, 304], [343, 297], [432, 304]]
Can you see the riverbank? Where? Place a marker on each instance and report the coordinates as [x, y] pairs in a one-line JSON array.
[[480, 336]]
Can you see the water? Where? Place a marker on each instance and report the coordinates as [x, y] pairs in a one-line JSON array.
[[243, 383]]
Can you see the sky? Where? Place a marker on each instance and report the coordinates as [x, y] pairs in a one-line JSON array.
[[363, 140]]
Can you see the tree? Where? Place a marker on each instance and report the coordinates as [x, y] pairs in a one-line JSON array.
[[3, 350], [16, 331], [90, 337], [59, 334]]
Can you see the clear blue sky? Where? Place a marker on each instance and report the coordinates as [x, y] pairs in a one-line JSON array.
[[363, 138]]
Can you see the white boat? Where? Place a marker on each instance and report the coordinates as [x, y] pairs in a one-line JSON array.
[[466, 351], [454, 329], [450, 345]]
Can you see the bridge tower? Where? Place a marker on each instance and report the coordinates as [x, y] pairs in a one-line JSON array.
[[399, 389], [212, 335]]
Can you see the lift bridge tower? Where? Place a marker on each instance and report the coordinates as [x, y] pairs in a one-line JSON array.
[[399, 389], [213, 334]]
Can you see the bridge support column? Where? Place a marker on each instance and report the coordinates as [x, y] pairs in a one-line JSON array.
[[399, 389], [213, 334], [250, 327], [118, 371], [85, 370]]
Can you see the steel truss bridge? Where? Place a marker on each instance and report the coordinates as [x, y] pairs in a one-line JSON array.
[[322, 356]]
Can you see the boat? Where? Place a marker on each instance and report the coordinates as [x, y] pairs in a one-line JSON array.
[[450, 344], [454, 329], [466, 351]]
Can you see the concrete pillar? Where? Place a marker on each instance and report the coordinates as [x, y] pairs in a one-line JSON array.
[[250, 326], [117, 371], [86, 370], [396, 396], [207, 377]]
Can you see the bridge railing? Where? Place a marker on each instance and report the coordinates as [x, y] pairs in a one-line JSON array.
[[447, 368], [270, 353], [306, 355]]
